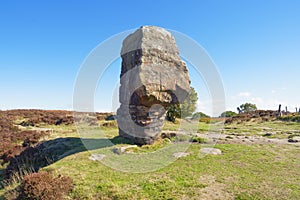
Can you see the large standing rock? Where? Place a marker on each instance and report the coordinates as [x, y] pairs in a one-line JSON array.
[[152, 78]]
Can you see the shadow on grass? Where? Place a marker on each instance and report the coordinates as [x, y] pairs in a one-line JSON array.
[[48, 152], [1, 178]]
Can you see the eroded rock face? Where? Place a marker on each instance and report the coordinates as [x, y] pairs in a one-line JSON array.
[[152, 78]]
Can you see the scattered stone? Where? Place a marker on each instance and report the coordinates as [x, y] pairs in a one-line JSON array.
[[212, 151], [121, 150], [294, 139], [267, 134], [168, 134], [266, 128], [153, 77], [110, 117], [97, 157], [180, 154], [26, 123]]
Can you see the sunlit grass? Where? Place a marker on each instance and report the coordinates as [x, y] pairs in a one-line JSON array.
[[256, 170], [241, 172]]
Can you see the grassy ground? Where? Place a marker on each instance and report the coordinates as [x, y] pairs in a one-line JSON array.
[[256, 171], [241, 172]]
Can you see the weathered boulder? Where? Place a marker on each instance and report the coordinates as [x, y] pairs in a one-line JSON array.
[[152, 78]]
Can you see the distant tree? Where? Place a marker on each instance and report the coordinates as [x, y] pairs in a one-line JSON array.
[[189, 105], [247, 107], [173, 112], [228, 114], [199, 115], [185, 109]]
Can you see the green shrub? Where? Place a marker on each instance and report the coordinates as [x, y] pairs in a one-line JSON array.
[[199, 115], [228, 114], [198, 140]]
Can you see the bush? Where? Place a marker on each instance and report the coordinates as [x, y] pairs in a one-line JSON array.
[[198, 140], [9, 143], [290, 118], [28, 161], [228, 114], [247, 107], [184, 109], [199, 115], [205, 120], [43, 186], [110, 124]]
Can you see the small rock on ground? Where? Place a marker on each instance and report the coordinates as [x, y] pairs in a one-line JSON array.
[[180, 154], [120, 150], [212, 151], [294, 139], [95, 157]]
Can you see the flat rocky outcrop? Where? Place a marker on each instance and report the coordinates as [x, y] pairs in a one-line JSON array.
[[152, 78]]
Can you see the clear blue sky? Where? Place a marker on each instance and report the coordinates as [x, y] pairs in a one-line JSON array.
[[254, 44]]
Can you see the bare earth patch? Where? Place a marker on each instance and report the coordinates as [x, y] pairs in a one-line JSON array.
[[214, 190]]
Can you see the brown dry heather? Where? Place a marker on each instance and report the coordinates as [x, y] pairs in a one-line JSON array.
[[43, 186], [14, 140], [258, 115]]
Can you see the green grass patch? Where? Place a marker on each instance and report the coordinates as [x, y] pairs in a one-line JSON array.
[[240, 172], [257, 170]]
